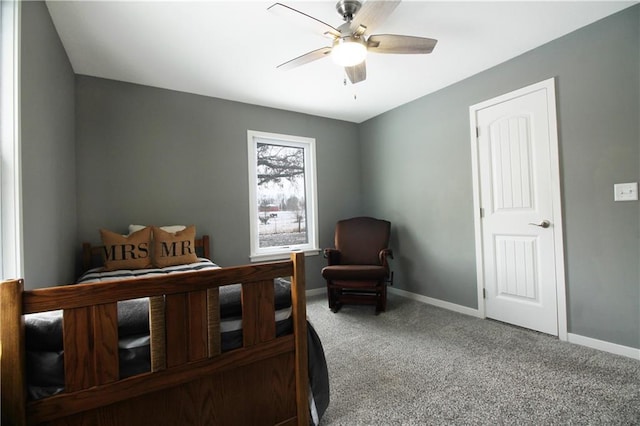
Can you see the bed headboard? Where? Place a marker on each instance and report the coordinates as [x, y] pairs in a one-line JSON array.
[[92, 255]]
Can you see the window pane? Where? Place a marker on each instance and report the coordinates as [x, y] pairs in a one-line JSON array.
[[281, 195], [11, 262]]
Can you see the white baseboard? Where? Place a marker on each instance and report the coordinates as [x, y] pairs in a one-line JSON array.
[[315, 291], [613, 348], [436, 302], [577, 339]]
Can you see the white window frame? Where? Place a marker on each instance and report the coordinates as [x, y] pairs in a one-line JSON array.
[[11, 248], [311, 195]]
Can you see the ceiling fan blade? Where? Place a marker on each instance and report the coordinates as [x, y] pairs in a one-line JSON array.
[[304, 20], [391, 43], [373, 13], [314, 55], [357, 73]]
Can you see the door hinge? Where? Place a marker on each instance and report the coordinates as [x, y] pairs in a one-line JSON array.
[[481, 212], [484, 293], [477, 132]]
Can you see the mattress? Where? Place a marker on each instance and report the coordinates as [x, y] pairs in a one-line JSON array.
[[43, 331]]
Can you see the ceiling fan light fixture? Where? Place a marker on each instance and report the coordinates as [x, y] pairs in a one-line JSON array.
[[348, 51]]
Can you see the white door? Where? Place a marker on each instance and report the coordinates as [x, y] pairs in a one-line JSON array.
[[519, 217]]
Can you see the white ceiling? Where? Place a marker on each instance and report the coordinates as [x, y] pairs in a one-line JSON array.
[[230, 49]]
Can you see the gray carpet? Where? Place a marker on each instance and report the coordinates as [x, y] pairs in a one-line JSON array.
[[418, 364]]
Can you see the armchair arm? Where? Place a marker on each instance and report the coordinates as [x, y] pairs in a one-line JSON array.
[[384, 254], [332, 256]]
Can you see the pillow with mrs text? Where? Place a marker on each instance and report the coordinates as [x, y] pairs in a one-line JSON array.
[[126, 251], [174, 248]]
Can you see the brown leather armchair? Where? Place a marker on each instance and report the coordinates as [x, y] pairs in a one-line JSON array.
[[358, 269]]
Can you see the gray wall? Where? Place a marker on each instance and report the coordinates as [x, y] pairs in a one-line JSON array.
[[154, 156], [417, 160], [48, 151]]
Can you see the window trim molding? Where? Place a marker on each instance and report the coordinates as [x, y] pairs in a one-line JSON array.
[[311, 195], [11, 234]]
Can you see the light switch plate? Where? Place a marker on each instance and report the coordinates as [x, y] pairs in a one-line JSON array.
[[625, 191]]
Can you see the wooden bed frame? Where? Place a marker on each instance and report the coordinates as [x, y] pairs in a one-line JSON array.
[[191, 382]]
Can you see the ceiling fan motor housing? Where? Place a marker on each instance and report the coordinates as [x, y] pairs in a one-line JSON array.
[[348, 8]]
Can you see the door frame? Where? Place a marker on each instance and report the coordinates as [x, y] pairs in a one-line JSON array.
[[556, 198]]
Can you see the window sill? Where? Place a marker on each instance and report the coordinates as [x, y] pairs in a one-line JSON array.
[[282, 255]]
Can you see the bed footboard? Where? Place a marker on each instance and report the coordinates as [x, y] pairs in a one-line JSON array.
[[191, 382], [13, 393]]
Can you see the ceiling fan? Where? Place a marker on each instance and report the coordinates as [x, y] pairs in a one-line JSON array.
[[352, 40]]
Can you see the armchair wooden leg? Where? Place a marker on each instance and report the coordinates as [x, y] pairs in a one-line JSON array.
[[333, 299], [336, 300], [333, 296], [381, 295]]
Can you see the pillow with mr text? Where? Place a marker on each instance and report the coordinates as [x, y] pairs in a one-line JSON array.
[[171, 248], [126, 251]]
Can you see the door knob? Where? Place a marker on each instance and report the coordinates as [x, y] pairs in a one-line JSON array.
[[544, 224]]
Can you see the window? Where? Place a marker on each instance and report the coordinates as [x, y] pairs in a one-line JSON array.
[[283, 199], [10, 206]]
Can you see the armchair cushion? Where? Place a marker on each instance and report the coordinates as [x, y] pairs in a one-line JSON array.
[[354, 272]]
